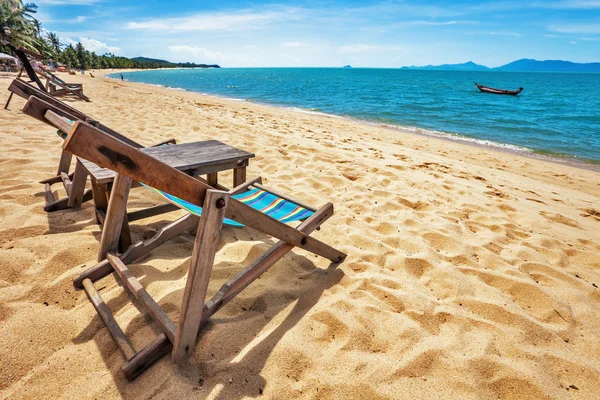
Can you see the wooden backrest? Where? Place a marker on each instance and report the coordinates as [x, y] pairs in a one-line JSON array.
[[92, 144], [20, 52], [37, 108]]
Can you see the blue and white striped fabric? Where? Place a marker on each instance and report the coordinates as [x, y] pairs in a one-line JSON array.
[[263, 201]]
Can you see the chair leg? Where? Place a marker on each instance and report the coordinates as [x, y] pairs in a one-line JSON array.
[[117, 211], [203, 257], [64, 163], [78, 186]]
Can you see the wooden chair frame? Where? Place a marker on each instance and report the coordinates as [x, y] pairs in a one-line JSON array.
[[130, 164], [38, 102], [57, 87]]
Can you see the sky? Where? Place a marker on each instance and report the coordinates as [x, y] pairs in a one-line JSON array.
[[331, 33]]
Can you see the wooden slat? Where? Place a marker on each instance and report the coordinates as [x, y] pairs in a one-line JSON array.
[[239, 176], [100, 196], [139, 249], [58, 121], [65, 162], [105, 175], [54, 179], [90, 143], [49, 196], [243, 187], [159, 347], [110, 322], [117, 211], [212, 179], [78, 187], [203, 256], [66, 182], [134, 286], [152, 211]]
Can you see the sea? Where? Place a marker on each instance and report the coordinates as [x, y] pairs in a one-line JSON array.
[[556, 116]]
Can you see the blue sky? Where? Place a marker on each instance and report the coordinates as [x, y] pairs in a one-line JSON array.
[[331, 33]]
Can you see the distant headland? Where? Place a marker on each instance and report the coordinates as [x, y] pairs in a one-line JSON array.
[[157, 63], [522, 65]]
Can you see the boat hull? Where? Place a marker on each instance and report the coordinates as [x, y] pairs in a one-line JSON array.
[[486, 89]]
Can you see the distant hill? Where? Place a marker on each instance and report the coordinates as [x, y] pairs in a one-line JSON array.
[[529, 65], [523, 65], [150, 60], [468, 66], [145, 62]]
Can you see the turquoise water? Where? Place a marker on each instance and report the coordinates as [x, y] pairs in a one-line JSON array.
[[557, 114]]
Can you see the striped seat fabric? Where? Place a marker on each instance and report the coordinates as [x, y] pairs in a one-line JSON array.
[[263, 201]]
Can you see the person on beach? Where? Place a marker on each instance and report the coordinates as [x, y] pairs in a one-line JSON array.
[[122, 77]]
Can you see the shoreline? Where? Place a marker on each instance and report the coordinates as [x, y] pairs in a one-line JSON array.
[[567, 160]]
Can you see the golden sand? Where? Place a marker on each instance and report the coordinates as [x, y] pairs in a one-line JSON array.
[[471, 273]]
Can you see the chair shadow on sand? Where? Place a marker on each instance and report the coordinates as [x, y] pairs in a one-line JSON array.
[[239, 323]]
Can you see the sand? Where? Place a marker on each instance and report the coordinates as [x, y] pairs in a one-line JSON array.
[[471, 273]]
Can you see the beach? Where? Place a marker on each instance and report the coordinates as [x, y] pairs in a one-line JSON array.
[[471, 273]]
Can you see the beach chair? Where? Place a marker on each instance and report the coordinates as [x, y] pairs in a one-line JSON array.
[[25, 66], [22, 54], [38, 102], [57, 87], [208, 209]]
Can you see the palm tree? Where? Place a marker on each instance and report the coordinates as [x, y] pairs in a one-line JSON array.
[[54, 42], [17, 23]]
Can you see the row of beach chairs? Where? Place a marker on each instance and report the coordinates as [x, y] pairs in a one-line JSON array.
[[207, 209], [54, 85]]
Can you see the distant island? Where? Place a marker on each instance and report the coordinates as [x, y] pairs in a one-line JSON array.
[[347, 66], [145, 62], [523, 65]]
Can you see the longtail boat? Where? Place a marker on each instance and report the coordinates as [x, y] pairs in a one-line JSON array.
[[486, 89]]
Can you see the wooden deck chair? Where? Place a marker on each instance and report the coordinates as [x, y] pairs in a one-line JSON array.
[[38, 102], [57, 87], [25, 66], [86, 141]]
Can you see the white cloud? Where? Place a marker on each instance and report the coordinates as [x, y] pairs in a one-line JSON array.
[[573, 4], [573, 42], [515, 34], [94, 45], [437, 23], [241, 20], [291, 44], [586, 28], [198, 54], [81, 18]]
